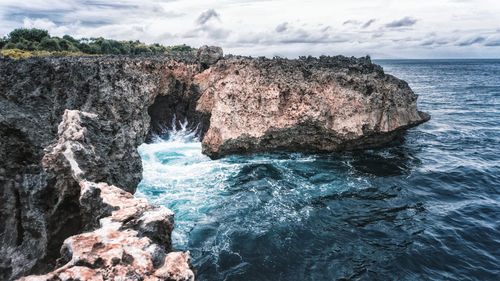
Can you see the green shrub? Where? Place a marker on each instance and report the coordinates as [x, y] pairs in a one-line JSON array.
[[39, 42], [24, 44], [32, 34], [71, 39], [49, 44], [9, 45], [66, 45]]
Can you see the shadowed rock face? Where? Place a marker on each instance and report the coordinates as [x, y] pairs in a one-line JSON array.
[[130, 237], [69, 129], [41, 193]]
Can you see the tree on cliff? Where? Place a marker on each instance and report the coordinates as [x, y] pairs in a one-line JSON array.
[[32, 35], [25, 42]]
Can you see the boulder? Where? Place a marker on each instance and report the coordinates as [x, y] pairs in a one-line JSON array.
[[65, 121], [209, 55]]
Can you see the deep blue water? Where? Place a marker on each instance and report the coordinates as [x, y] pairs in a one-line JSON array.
[[426, 207]]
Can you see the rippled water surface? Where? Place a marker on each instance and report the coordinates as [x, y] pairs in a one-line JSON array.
[[425, 207]]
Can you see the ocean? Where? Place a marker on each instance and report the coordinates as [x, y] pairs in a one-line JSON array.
[[424, 207]]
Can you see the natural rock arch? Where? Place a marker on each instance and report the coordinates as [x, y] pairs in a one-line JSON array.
[[70, 128]]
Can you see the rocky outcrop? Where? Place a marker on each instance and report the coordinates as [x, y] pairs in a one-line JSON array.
[[208, 56], [131, 240], [310, 104], [70, 128], [40, 197]]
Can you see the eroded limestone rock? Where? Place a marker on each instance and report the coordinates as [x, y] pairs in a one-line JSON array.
[[325, 104], [131, 238], [70, 128], [209, 55], [41, 200]]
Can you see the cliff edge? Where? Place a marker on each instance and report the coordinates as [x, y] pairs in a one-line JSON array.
[[70, 128]]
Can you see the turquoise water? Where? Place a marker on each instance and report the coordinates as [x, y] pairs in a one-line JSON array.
[[427, 206]]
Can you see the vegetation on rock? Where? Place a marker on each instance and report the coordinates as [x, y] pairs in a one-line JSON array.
[[23, 42]]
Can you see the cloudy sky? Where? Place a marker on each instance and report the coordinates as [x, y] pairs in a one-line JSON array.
[[380, 28]]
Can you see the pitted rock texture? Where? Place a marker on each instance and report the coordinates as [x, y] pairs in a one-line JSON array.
[[122, 248], [40, 198], [325, 104], [209, 55], [131, 240], [70, 128]]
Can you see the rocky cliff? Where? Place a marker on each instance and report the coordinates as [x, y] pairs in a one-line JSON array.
[[52, 159], [69, 129], [315, 104]]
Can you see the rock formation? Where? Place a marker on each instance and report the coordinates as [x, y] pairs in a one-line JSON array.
[[325, 104], [131, 238], [69, 129], [43, 168]]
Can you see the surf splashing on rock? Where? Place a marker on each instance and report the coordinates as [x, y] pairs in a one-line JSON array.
[[424, 207], [256, 215]]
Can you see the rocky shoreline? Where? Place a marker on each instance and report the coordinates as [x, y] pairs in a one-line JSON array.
[[130, 237], [70, 128]]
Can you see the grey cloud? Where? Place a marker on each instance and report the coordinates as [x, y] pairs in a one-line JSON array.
[[101, 4], [281, 27], [313, 40], [84, 14], [18, 14], [493, 43], [293, 36], [368, 23], [143, 8], [406, 21], [354, 22], [94, 23], [434, 42], [472, 41], [218, 33], [206, 16], [191, 34]]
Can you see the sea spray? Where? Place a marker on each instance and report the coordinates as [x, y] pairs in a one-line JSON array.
[[424, 207]]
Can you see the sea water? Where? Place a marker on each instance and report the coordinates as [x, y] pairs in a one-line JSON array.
[[426, 206]]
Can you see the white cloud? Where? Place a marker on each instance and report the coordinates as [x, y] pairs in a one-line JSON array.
[[48, 25], [381, 28]]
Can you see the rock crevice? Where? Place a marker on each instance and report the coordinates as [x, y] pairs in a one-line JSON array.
[[129, 237], [41, 192]]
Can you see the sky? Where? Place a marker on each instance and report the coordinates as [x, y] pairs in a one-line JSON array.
[[379, 28]]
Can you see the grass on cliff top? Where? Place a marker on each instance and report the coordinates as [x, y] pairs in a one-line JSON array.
[[18, 54], [24, 42]]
